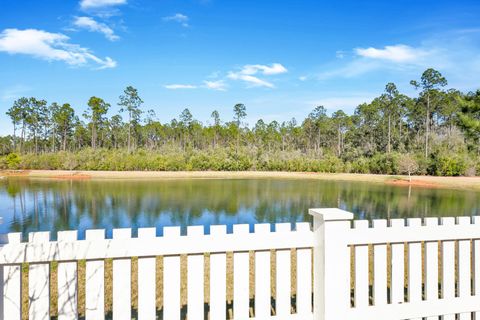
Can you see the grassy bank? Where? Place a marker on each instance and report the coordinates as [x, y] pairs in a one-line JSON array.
[[471, 183]]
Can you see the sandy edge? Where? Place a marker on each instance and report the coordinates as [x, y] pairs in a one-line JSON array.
[[417, 181]]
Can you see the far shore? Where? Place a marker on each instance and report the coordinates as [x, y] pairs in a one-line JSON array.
[[471, 183]]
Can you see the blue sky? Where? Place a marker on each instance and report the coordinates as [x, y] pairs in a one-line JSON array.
[[279, 58]]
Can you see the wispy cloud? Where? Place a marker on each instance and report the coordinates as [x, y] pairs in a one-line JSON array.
[[180, 86], [96, 4], [252, 81], [249, 73], [13, 92], [349, 70], [398, 57], [91, 25], [275, 68], [452, 52], [49, 46], [218, 85], [398, 53], [340, 54], [178, 17]]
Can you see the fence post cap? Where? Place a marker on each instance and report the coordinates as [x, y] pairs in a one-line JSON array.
[[331, 214]]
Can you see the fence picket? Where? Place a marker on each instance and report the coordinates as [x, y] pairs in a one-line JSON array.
[[304, 276], [195, 279], [241, 278], [431, 267], [361, 270], [171, 279], [464, 268], [262, 277], [67, 280], [380, 268], [476, 266], [398, 267], [448, 268], [95, 279], [12, 285], [39, 283], [122, 281], [283, 277], [331, 239], [414, 266], [218, 278], [146, 280]]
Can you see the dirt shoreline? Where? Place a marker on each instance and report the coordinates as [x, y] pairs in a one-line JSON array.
[[472, 183]]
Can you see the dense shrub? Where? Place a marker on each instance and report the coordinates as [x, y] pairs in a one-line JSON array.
[[12, 161], [360, 165], [228, 159], [423, 164], [384, 163], [448, 164]]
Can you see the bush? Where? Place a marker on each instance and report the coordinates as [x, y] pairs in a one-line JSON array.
[[423, 164], [243, 159], [448, 165], [12, 161], [331, 164], [384, 163], [360, 165]]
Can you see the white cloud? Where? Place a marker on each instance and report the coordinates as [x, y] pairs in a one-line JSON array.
[[251, 80], [95, 4], [218, 85], [180, 86], [49, 46], [248, 74], [94, 26], [398, 53], [275, 68], [178, 17], [395, 58]]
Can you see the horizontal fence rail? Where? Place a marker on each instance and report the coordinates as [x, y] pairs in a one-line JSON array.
[[337, 269]]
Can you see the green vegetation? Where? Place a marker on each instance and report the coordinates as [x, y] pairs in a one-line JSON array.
[[436, 133]]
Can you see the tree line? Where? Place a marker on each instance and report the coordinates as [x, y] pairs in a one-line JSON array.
[[436, 132]]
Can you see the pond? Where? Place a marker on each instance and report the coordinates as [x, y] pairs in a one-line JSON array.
[[28, 205]]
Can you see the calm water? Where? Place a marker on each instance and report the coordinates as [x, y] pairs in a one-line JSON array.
[[34, 204]]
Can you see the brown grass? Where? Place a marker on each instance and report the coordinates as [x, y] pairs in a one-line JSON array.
[[159, 283]]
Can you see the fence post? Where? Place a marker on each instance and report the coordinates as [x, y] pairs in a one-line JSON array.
[[331, 271]]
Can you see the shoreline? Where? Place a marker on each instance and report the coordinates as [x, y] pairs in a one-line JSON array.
[[467, 183]]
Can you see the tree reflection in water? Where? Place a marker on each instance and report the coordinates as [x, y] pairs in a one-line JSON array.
[[34, 204]]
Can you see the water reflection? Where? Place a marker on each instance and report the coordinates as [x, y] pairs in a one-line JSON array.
[[34, 204]]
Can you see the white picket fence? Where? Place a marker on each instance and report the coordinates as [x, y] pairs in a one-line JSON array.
[[403, 269]]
